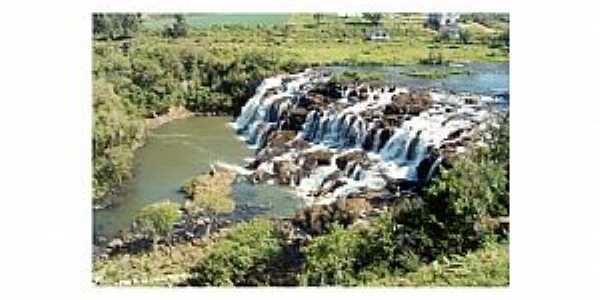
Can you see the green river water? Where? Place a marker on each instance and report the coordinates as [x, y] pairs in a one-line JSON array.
[[176, 152]]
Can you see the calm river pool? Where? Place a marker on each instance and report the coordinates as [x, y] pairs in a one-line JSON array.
[[180, 150]]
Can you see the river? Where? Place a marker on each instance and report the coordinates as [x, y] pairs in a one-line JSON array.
[[177, 151], [484, 78]]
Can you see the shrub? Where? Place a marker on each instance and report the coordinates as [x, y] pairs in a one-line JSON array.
[[241, 257], [488, 266], [330, 258], [157, 219], [347, 77], [465, 36]]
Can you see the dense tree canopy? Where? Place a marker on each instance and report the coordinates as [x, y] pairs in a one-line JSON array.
[[115, 25]]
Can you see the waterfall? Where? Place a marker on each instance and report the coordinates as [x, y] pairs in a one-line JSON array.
[[273, 98], [356, 174], [313, 183], [249, 110], [434, 166], [377, 141], [396, 143]]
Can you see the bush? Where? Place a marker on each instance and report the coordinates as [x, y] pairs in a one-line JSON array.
[[348, 77], [488, 266], [330, 258], [241, 257], [465, 36], [157, 219], [115, 25]]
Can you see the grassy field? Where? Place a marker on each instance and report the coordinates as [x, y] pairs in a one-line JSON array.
[[332, 40], [206, 20]]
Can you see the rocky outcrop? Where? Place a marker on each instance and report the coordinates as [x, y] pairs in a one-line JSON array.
[[412, 103], [309, 159], [344, 159], [334, 142], [317, 219], [174, 113]]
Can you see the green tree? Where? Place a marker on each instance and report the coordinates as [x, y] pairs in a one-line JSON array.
[[100, 24], [179, 28], [330, 258], [129, 23], [115, 25], [318, 17], [117, 130], [156, 220], [465, 35], [241, 258], [374, 18]]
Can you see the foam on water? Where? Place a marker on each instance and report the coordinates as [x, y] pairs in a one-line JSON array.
[[334, 129]]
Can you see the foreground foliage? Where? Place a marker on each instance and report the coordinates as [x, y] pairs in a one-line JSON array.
[[235, 256], [163, 265], [488, 266], [240, 258]]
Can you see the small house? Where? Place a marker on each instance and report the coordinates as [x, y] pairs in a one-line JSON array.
[[377, 35], [445, 22]]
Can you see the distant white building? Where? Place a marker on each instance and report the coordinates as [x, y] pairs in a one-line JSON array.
[[443, 19], [348, 14], [445, 22], [378, 35]]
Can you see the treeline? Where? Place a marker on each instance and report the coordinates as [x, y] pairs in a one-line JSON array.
[[117, 130], [494, 20], [115, 25]]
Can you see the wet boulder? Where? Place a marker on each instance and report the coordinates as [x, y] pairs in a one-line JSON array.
[[347, 211], [331, 185], [314, 219], [350, 156], [328, 89], [264, 155], [283, 169], [280, 137], [412, 103], [317, 219], [321, 157], [297, 118], [384, 136], [298, 144]]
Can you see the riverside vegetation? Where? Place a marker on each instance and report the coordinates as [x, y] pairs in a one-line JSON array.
[[451, 232]]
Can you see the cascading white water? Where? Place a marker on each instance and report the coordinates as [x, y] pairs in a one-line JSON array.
[[273, 97], [397, 155]]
